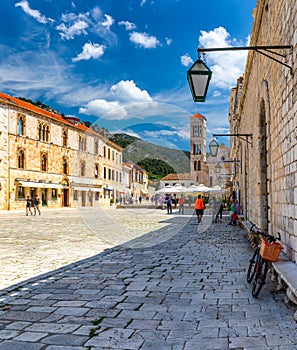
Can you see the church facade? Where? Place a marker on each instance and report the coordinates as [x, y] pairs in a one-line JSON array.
[[203, 168]]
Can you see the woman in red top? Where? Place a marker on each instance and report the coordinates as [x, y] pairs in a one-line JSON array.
[[199, 207]]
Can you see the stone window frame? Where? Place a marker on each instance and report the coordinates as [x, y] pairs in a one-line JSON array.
[[96, 171], [82, 143], [21, 193], [44, 161], [83, 168], [43, 131], [65, 165], [21, 158], [64, 137], [21, 123], [96, 147]]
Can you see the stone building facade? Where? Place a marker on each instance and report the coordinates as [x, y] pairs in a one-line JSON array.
[[137, 182], [58, 158], [220, 168], [203, 166], [264, 104]]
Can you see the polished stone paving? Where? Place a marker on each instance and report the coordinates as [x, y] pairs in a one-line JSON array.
[[133, 279]]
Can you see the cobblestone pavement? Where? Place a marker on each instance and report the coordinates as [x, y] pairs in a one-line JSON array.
[[172, 285]]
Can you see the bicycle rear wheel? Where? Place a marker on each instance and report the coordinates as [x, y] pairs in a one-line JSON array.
[[260, 276], [251, 270]]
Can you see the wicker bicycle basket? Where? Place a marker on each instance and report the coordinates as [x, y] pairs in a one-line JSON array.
[[270, 251]]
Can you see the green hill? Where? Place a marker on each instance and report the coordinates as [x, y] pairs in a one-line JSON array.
[[158, 161]]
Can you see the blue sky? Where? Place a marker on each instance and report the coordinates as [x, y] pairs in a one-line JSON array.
[[123, 63]]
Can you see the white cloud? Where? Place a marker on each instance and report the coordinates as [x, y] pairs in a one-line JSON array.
[[143, 2], [168, 41], [33, 13], [90, 51], [77, 28], [100, 108], [108, 22], [128, 25], [128, 92], [117, 101], [34, 74], [92, 22], [186, 60], [226, 66], [144, 40]]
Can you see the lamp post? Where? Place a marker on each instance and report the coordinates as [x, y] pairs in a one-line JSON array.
[[199, 74]]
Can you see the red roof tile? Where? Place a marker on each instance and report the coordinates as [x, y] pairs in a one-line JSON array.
[[30, 107], [177, 177], [197, 115]]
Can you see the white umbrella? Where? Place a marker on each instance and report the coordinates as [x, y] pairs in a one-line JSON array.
[[178, 188], [166, 189], [216, 189], [200, 188]]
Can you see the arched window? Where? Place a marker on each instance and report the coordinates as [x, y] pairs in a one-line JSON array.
[[47, 132], [82, 143], [43, 132], [40, 131], [96, 147], [82, 168], [65, 166], [96, 171], [21, 125], [21, 159], [64, 138], [43, 162]]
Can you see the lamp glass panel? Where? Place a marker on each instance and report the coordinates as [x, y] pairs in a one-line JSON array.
[[199, 84]]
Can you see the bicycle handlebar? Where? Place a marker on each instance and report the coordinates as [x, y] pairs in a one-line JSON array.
[[270, 238]]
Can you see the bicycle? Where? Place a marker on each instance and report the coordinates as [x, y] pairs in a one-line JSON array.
[[268, 251]]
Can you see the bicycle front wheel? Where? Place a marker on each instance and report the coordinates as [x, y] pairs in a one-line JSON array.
[[260, 276], [252, 270]]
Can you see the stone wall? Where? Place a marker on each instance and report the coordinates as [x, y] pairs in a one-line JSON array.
[[268, 110]]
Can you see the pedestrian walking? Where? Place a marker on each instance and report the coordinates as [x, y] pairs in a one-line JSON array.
[[168, 200], [29, 204], [213, 205], [219, 216], [199, 207], [232, 210], [181, 205], [36, 203]]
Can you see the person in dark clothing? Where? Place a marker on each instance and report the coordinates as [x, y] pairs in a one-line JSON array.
[[29, 204], [219, 216], [168, 200]]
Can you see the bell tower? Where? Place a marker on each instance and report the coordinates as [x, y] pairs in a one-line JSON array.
[[198, 166]]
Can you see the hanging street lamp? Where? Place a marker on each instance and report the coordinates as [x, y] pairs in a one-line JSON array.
[[199, 76], [213, 147]]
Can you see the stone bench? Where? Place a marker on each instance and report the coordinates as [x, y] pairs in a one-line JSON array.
[[286, 272]]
